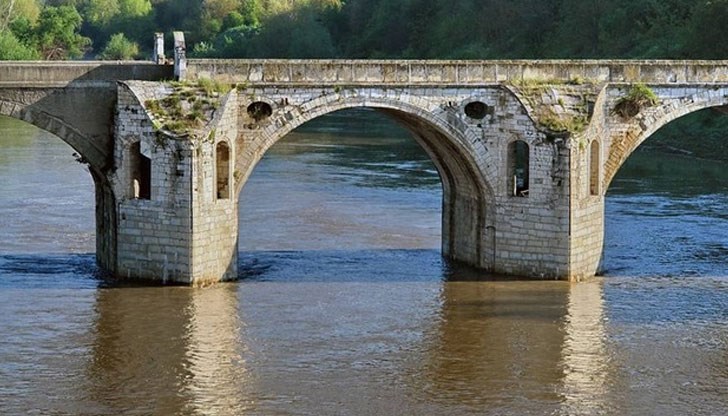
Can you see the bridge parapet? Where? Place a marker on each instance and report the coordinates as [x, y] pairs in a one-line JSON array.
[[44, 74], [452, 72]]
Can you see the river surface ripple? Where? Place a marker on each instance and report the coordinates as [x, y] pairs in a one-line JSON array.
[[345, 306]]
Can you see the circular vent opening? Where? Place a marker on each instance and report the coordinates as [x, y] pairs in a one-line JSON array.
[[259, 110], [477, 110]]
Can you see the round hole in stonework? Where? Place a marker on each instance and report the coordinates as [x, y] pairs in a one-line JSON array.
[[259, 110], [476, 110]]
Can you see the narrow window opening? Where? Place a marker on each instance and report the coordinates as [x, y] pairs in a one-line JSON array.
[[222, 158], [594, 168], [141, 173], [519, 163]]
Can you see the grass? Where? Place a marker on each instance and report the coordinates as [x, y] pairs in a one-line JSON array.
[[638, 97], [189, 106]]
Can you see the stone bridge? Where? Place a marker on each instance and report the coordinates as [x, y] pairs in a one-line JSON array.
[[525, 149]]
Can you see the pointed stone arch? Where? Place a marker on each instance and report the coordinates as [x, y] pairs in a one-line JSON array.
[[97, 161]]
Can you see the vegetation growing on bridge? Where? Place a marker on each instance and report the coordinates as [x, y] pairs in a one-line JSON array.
[[559, 107], [190, 106], [638, 97]]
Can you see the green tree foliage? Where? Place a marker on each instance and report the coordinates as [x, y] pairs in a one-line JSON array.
[[56, 34], [11, 49], [119, 48], [10, 10], [466, 29], [706, 35]]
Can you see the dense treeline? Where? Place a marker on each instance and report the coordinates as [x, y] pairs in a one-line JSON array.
[[470, 29]]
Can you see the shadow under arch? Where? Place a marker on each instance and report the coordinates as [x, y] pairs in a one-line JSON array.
[[467, 196]]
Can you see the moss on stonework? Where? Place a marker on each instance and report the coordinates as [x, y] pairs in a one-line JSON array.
[[558, 123], [190, 106], [551, 111]]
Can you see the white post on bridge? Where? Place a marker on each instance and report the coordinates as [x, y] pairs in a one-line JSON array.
[[180, 56], [158, 54]]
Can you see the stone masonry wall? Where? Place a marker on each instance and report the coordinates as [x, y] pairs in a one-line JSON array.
[[215, 220], [154, 240]]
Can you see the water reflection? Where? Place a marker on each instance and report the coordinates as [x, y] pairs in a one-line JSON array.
[[512, 347], [584, 355], [167, 351], [498, 346], [215, 354]]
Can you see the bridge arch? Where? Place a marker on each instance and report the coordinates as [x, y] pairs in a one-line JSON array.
[[104, 195], [87, 151], [468, 197], [637, 130]]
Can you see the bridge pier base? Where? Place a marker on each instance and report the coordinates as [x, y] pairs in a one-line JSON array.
[[176, 215]]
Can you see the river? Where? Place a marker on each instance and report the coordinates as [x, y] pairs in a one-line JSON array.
[[345, 306]]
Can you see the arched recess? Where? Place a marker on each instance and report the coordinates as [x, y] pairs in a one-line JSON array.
[[222, 171], [467, 196], [519, 168], [140, 172], [595, 168], [636, 131], [97, 161]]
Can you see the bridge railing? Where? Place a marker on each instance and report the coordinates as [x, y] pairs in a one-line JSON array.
[[45, 74], [439, 72]]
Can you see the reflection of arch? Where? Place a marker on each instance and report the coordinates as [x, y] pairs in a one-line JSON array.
[[222, 170], [519, 161], [467, 196], [595, 167], [88, 151], [499, 335]]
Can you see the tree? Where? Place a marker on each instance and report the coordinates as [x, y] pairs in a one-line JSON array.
[[11, 49], [706, 38], [119, 48], [57, 34], [11, 10]]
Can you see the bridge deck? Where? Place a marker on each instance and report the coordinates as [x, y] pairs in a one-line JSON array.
[[368, 72], [439, 72]]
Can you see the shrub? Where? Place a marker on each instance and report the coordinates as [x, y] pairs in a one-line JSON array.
[[119, 48]]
